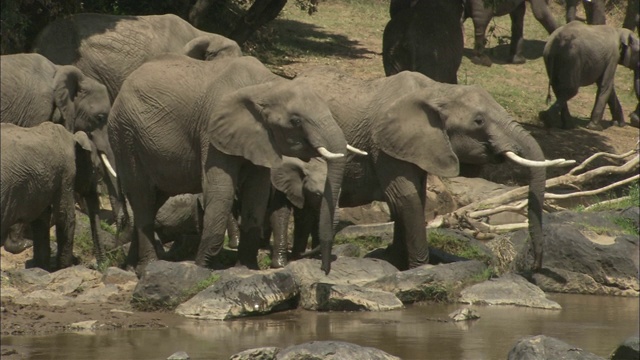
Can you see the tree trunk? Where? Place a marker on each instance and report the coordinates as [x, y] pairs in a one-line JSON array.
[[260, 13]]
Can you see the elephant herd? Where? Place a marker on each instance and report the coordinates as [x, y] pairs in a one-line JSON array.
[[159, 109]]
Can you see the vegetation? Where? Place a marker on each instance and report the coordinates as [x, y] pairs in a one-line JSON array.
[[456, 246], [366, 243]]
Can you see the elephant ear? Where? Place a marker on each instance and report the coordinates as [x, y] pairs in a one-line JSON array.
[[212, 46], [412, 130], [66, 86], [288, 178], [83, 141], [629, 44], [237, 127]]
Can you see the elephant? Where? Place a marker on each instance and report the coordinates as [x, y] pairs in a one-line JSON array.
[[411, 125], [181, 125], [594, 9], [579, 55], [481, 16], [109, 47], [427, 38], [40, 170]]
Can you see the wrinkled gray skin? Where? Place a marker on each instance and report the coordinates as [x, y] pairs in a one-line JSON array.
[[38, 178], [110, 47], [299, 188], [482, 16], [411, 126], [221, 126], [426, 38], [578, 55]]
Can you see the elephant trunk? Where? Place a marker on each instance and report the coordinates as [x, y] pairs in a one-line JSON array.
[[327, 217], [529, 149]]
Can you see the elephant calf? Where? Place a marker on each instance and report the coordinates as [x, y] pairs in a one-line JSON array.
[[38, 176], [578, 55]]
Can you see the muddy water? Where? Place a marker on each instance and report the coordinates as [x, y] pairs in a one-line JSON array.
[[594, 323]]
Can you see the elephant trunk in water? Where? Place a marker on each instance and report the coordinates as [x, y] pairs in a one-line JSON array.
[[530, 150]]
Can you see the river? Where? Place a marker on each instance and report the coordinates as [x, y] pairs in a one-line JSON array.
[[594, 323]]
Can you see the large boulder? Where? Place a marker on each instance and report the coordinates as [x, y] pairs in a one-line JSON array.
[[542, 347], [429, 282], [333, 350], [584, 253], [238, 295], [628, 350], [344, 270], [508, 289], [332, 297]]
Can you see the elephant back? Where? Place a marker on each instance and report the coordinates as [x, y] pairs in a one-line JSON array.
[[26, 92]]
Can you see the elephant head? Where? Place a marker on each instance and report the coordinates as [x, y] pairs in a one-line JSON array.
[[460, 124], [280, 117], [84, 105], [298, 179], [629, 48], [211, 46]]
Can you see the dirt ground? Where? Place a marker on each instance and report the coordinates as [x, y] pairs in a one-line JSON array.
[[577, 144]]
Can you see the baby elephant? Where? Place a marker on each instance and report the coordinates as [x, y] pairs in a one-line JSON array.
[[38, 178], [578, 55]]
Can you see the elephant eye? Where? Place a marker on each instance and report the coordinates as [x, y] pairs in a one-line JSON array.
[[295, 121], [479, 121]]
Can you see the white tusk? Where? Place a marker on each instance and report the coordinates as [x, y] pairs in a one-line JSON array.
[[356, 150], [108, 165], [531, 163], [328, 154]]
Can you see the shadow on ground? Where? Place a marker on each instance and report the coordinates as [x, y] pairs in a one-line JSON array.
[[499, 54], [291, 39]]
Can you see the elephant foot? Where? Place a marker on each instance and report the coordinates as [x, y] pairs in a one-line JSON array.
[[634, 120], [594, 126], [618, 123], [233, 242], [518, 59], [482, 60], [279, 261]]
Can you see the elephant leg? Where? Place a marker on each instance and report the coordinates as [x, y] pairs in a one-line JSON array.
[[233, 229], [65, 220], [517, 32], [605, 88], [405, 191], [279, 217], [42, 240], [303, 226], [595, 12], [144, 248], [541, 12], [93, 210], [118, 202], [617, 116], [254, 197], [570, 14], [480, 28], [565, 115]]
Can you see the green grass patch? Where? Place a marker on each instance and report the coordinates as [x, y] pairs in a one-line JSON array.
[[456, 246], [630, 196], [366, 243], [627, 225], [108, 228], [201, 285]]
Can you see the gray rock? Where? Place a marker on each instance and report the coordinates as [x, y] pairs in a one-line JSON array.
[[114, 275], [263, 353], [98, 294], [235, 296], [584, 252], [429, 282], [509, 289], [381, 233], [180, 355], [344, 270], [628, 350], [30, 278], [83, 325], [542, 347], [349, 250], [43, 297], [464, 314], [166, 284], [74, 279], [333, 350], [332, 297], [9, 293]]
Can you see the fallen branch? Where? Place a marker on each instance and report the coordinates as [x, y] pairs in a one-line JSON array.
[[598, 155], [609, 202], [592, 192]]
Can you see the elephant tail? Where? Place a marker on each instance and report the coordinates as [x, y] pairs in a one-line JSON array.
[[549, 65], [549, 93]]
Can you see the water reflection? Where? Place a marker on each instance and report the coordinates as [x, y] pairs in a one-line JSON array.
[[594, 323]]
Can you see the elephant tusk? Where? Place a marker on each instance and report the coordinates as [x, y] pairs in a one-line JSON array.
[[531, 163], [107, 164], [356, 150], [328, 154]]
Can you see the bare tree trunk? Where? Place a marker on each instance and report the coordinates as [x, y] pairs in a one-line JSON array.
[[260, 13]]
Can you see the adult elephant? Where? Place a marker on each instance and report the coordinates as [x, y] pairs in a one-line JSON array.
[[411, 125], [579, 55], [39, 172], [110, 47], [426, 38], [181, 125]]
